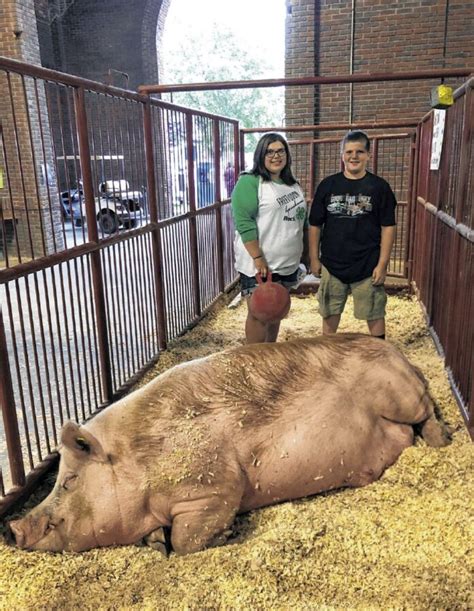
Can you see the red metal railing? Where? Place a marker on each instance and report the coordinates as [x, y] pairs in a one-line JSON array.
[[373, 77], [98, 275], [115, 237], [443, 243]]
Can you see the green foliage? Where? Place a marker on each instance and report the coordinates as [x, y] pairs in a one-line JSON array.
[[222, 57]]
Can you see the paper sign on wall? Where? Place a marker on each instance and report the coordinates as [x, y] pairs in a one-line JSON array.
[[439, 117]]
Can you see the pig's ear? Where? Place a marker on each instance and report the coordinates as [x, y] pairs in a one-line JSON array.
[[80, 442]]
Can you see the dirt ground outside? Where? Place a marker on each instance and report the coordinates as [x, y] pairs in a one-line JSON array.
[[404, 542]]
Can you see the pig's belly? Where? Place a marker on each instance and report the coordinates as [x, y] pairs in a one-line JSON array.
[[303, 462]]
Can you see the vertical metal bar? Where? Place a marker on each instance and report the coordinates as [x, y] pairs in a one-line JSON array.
[[407, 271], [151, 325], [375, 155], [24, 343], [218, 197], [156, 236], [172, 288], [145, 289], [59, 334], [87, 349], [130, 274], [21, 393], [182, 266], [53, 351], [430, 269], [138, 299], [4, 236], [168, 283], [97, 279], [46, 359], [10, 197], [412, 201], [106, 259], [72, 119], [428, 146], [59, 123], [21, 165], [311, 171], [80, 343], [120, 315], [33, 155], [46, 179], [450, 307], [239, 150], [131, 267], [463, 175], [192, 219], [10, 422], [94, 361]]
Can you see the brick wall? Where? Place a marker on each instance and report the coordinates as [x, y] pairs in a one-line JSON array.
[[388, 36], [92, 37], [300, 60], [26, 150]]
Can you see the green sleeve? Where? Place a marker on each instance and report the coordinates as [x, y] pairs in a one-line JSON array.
[[245, 206]]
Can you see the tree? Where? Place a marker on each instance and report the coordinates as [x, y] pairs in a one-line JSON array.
[[222, 57]]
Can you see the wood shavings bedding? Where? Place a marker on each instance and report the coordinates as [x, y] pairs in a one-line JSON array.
[[405, 541]]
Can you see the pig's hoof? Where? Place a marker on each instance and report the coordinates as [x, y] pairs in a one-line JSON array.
[[221, 539], [159, 540], [435, 433]]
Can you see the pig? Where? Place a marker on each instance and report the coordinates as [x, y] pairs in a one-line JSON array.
[[221, 435]]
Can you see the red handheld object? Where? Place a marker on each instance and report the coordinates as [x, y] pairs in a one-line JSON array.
[[270, 302]]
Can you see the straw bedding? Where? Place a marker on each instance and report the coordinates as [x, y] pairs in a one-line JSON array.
[[405, 541]]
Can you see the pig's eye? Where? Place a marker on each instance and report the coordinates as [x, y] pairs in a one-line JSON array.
[[68, 481], [51, 526]]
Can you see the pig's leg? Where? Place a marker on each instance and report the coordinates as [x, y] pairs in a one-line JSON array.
[[429, 426], [434, 433], [159, 540], [416, 407], [200, 526]]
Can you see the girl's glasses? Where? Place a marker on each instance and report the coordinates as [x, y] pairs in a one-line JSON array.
[[272, 154]]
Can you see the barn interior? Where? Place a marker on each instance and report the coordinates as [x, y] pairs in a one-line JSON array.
[[116, 263]]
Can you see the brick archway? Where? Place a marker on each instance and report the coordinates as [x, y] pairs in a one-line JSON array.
[[103, 40]]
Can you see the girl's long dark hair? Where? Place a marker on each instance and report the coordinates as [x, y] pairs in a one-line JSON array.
[[259, 169]]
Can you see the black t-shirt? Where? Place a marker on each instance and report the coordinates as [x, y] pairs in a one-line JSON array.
[[352, 213]]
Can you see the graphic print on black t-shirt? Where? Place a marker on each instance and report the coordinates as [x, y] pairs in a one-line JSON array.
[[351, 214], [349, 205]]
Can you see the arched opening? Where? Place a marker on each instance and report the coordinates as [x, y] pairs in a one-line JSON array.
[[215, 41]]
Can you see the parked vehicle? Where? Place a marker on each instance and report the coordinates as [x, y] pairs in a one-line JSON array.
[[119, 207], [116, 206], [72, 201]]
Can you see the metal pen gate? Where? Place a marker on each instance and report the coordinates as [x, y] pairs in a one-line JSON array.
[[115, 237], [87, 308]]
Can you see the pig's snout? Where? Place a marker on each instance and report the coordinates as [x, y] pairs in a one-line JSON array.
[[14, 533], [25, 533]]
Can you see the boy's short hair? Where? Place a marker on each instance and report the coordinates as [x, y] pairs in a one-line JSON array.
[[356, 136]]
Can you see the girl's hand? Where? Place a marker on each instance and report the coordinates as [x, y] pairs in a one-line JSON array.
[[261, 266]]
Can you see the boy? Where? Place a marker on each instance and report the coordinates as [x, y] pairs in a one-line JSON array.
[[352, 220]]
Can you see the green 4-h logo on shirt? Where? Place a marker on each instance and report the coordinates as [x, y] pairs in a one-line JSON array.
[[301, 213]]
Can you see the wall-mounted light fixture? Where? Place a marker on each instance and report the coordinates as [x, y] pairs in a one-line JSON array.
[[441, 96]]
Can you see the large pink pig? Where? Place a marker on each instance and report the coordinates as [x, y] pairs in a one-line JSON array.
[[221, 435]]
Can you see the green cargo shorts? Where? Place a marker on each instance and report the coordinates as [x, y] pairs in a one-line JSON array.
[[369, 300]]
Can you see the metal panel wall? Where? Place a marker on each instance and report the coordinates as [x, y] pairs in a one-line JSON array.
[[111, 244], [443, 246]]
